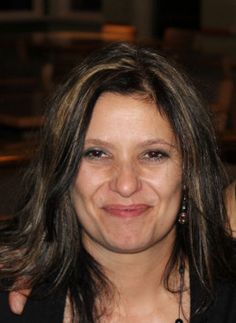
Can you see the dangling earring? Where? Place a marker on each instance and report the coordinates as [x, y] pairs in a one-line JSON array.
[[181, 288], [183, 211]]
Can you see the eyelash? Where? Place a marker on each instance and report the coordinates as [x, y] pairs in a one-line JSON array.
[[95, 154], [151, 155], [155, 155]]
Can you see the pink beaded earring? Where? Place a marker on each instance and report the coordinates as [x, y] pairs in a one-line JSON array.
[[183, 216]]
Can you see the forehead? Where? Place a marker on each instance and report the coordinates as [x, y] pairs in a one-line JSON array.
[[128, 116]]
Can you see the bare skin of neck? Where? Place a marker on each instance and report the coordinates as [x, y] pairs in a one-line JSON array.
[[140, 294]]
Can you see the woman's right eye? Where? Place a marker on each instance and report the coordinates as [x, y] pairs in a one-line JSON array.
[[95, 154]]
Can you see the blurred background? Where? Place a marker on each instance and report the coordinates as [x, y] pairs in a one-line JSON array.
[[41, 40]]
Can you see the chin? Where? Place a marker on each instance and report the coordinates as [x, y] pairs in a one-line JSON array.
[[127, 248]]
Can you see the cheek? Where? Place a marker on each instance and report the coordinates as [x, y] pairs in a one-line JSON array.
[[86, 185], [167, 189], [166, 180]]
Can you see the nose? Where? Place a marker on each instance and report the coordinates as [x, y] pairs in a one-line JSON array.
[[125, 180]]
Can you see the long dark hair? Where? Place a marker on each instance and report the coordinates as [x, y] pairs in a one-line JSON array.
[[45, 237]]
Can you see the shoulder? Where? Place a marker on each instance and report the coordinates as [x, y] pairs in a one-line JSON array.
[[47, 309], [222, 308]]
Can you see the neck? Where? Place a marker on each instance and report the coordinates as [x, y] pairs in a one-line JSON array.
[[131, 272], [138, 278]]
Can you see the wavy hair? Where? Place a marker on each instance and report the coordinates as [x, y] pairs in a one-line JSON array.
[[44, 239]]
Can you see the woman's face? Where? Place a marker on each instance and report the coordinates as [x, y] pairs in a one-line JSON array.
[[128, 188]]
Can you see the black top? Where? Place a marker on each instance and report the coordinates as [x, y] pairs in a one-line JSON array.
[[51, 309], [223, 307], [45, 310]]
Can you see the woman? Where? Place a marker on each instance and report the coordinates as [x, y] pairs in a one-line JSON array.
[[124, 211]]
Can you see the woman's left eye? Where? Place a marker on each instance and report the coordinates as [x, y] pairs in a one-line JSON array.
[[155, 155]]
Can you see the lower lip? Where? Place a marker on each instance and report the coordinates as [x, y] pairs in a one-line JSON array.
[[127, 212]]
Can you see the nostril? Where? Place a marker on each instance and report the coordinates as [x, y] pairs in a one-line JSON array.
[[126, 183]]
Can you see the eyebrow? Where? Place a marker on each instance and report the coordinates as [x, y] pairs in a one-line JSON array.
[[148, 142]]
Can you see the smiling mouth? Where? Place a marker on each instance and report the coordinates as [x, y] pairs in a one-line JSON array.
[[126, 211]]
